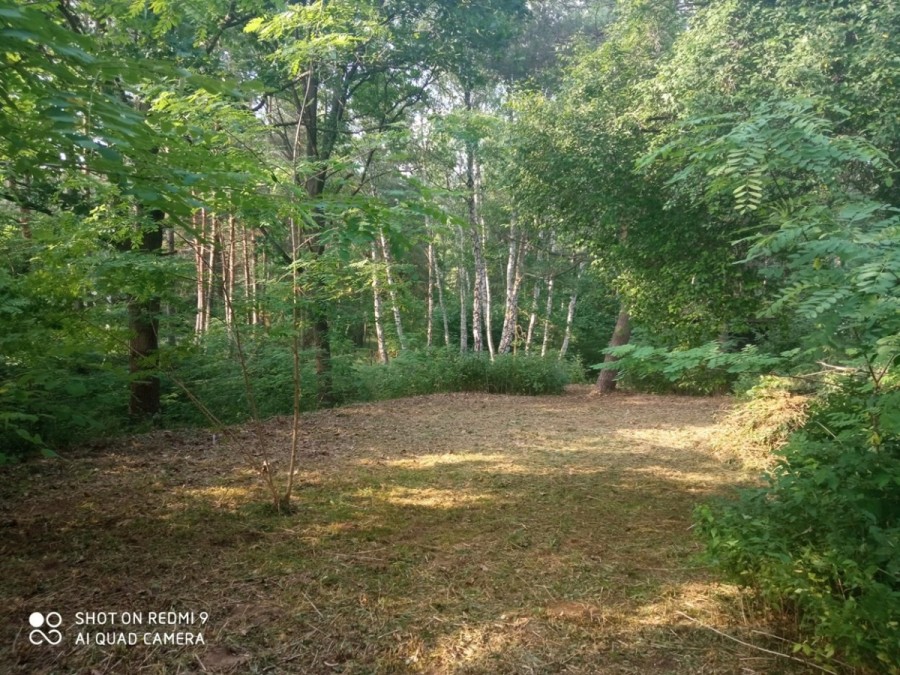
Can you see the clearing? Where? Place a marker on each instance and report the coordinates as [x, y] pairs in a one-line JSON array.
[[456, 533]]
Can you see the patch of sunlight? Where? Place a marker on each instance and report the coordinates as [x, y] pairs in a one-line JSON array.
[[324, 530], [428, 461], [431, 497], [696, 479], [475, 644], [220, 496], [696, 598], [670, 435]]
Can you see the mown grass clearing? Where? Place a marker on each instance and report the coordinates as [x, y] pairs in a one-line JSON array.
[[454, 533]]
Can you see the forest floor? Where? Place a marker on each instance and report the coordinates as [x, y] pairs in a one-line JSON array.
[[457, 533]]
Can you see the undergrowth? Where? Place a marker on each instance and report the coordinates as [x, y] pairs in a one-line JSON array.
[[415, 373], [823, 532], [40, 410]]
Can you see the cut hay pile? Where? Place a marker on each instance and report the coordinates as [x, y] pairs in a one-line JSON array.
[[752, 431]]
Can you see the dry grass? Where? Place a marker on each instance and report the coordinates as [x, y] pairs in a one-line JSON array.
[[751, 431], [443, 534]]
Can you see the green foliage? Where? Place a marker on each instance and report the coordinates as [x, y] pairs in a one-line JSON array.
[[824, 532], [59, 401], [700, 370], [440, 370]]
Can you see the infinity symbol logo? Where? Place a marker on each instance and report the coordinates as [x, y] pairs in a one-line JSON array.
[[38, 637]]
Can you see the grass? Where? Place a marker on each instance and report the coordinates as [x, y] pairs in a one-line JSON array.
[[457, 533]]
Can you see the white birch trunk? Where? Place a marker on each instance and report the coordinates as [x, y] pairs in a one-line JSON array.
[[532, 319], [514, 270], [210, 271], [570, 315], [549, 314], [200, 264], [485, 277], [439, 280], [392, 293], [430, 303], [463, 288], [378, 310]]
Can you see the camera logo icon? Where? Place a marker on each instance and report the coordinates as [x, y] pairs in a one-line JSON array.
[[38, 621]]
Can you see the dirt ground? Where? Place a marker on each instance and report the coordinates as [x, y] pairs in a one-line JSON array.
[[458, 533]]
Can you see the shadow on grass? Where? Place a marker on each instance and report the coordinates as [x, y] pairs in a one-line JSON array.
[[532, 547]]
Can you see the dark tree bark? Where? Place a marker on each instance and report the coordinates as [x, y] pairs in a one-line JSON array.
[[143, 348], [606, 382]]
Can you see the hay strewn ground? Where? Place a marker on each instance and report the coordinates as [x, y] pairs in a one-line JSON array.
[[444, 534]]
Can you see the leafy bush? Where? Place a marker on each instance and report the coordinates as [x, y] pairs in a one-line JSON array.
[[213, 374], [824, 532], [417, 373], [702, 370], [57, 401]]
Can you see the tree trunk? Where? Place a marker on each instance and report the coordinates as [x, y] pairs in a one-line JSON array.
[[430, 300], [143, 348], [532, 319], [477, 285], [226, 251], [514, 271], [606, 382], [547, 316], [485, 277], [440, 289], [249, 268], [200, 265], [210, 271], [392, 293], [379, 313], [171, 338], [570, 315]]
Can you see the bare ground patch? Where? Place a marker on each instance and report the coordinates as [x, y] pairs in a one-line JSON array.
[[459, 533]]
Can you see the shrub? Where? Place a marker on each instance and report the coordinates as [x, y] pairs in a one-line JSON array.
[[703, 370], [824, 531], [417, 373], [53, 402]]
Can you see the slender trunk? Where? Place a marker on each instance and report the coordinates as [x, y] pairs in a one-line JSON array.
[[570, 315], [143, 324], [200, 265], [232, 262], [295, 368], [315, 185], [259, 287], [430, 304], [478, 295], [210, 271], [485, 277], [463, 283], [515, 268], [532, 319], [249, 275], [606, 382], [169, 312], [506, 334], [439, 279], [471, 211], [392, 293], [226, 251], [548, 315], [379, 313], [478, 283]]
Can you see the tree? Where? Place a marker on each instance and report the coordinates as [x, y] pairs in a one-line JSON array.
[[577, 156]]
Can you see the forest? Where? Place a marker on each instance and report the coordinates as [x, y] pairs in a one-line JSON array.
[[287, 283]]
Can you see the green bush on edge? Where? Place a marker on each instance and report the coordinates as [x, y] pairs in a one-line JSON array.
[[824, 532]]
